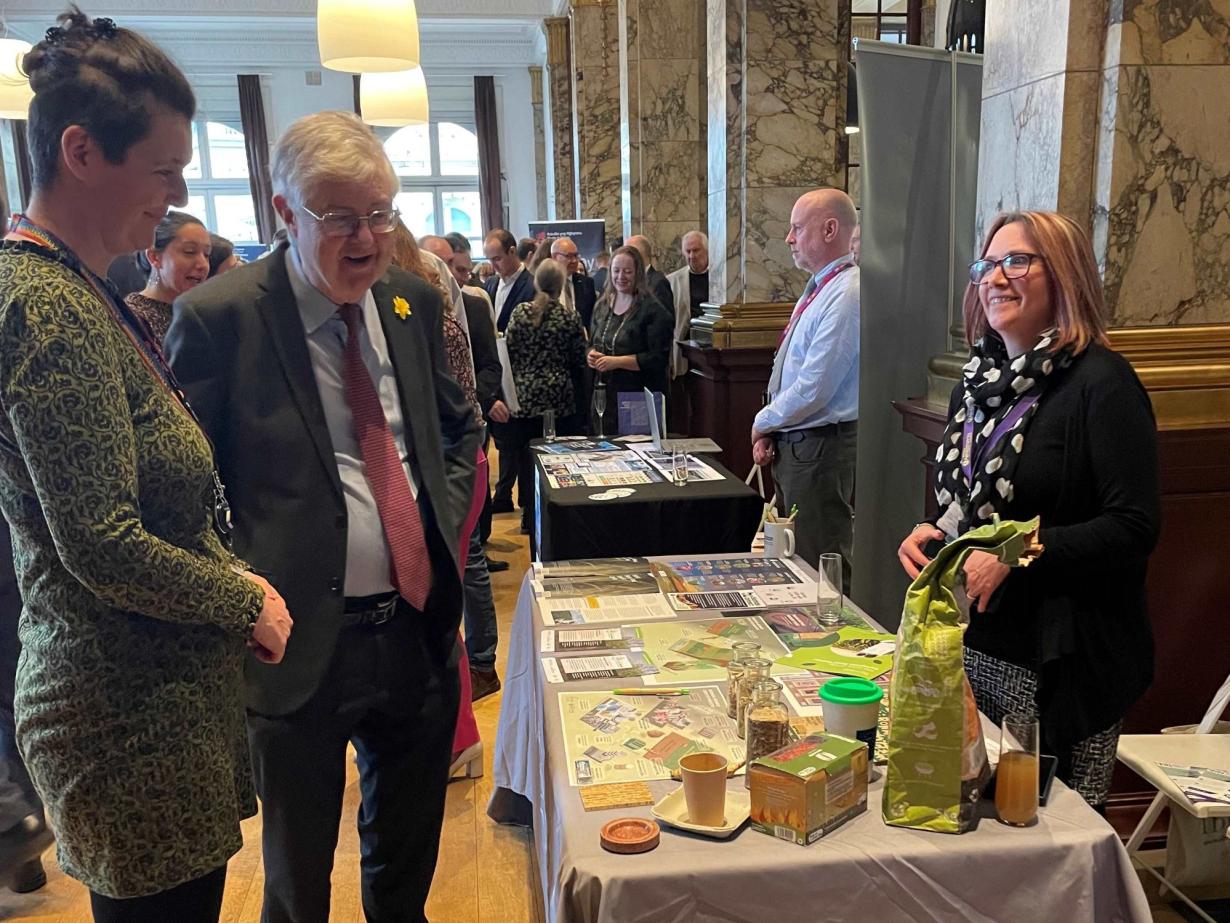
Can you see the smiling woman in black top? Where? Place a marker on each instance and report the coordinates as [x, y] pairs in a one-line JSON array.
[[1057, 426], [630, 342]]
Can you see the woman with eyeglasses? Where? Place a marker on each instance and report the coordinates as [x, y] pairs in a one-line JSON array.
[[1049, 422]]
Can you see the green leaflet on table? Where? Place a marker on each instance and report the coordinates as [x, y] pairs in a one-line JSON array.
[[937, 764]]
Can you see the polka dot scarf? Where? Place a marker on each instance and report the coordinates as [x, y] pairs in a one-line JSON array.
[[1001, 397]]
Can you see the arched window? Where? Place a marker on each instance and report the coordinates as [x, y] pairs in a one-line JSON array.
[[218, 190], [438, 168]]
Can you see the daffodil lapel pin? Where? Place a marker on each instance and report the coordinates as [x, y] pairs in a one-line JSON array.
[[401, 307]]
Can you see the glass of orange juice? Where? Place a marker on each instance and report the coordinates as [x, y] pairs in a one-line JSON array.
[[1016, 780]]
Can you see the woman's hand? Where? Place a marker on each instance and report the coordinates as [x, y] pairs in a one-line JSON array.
[[910, 551], [592, 357], [273, 625], [609, 363], [983, 575]]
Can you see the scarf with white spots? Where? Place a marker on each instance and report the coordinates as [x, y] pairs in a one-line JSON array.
[[993, 384]]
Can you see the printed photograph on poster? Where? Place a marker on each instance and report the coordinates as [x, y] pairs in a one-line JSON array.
[[848, 652]]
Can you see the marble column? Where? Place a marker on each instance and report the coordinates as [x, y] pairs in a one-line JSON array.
[[1115, 114], [595, 64], [540, 141], [663, 155], [559, 79], [1161, 217], [777, 108]]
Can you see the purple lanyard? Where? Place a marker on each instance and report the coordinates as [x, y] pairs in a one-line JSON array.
[[1011, 418]]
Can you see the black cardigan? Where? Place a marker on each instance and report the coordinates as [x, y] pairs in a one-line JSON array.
[[1077, 614]]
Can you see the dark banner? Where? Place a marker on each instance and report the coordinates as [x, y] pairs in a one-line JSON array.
[[918, 238], [589, 234]]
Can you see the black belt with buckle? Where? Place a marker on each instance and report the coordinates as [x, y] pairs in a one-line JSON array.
[[829, 429], [370, 610]]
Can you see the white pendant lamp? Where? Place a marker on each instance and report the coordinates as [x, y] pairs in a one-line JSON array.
[[15, 92], [394, 99], [367, 36]]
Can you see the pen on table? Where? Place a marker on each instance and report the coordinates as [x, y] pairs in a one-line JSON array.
[[651, 692]]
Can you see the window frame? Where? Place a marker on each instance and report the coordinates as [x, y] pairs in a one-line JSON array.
[[209, 187], [437, 183]]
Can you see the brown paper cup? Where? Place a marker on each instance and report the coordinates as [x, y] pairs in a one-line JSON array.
[[704, 788]]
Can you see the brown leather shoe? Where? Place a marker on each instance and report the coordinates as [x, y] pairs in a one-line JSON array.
[[29, 877], [483, 683]]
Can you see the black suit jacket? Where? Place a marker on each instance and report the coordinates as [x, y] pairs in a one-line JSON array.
[[661, 288], [238, 347], [487, 368], [522, 290], [586, 297]]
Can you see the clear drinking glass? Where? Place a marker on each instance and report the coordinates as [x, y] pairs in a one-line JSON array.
[[548, 425], [599, 405], [1016, 779], [679, 467], [830, 595]]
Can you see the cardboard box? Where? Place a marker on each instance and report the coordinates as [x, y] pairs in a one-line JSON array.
[[809, 788]]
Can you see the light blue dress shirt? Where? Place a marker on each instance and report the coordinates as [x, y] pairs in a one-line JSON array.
[[368, 561], [819, 380]]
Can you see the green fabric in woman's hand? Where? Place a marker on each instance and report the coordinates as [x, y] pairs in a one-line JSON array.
[[936, 760]]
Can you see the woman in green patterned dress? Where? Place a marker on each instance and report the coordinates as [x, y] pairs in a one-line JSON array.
[[129, 689]]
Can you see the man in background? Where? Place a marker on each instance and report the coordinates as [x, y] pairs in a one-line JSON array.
[[657, 281], [579, 293], [808, 428], [511, 285], [689, 290], [526, 248]]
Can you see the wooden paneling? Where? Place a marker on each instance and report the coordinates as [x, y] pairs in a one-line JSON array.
[[729, 387]]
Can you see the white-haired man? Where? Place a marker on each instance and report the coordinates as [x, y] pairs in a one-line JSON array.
[[349, 451], [689, 289], [808, 428]]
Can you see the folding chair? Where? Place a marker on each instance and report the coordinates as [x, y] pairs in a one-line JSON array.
[[1142, 753]]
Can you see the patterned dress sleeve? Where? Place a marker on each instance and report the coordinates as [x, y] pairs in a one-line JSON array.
[[63, 390]]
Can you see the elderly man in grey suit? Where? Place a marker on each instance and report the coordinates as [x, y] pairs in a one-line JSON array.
[[350, 452]]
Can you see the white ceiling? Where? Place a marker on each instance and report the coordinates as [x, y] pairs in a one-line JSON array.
[[455, 33]]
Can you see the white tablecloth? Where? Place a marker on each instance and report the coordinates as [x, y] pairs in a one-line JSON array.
[[1070, 866]]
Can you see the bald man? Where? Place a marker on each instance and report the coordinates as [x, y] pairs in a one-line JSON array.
[[579, 293], [808, 428], [658, 284]]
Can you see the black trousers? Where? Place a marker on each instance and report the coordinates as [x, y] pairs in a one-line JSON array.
[[510, 445], [196, 901], [392, 690], [816, 474]]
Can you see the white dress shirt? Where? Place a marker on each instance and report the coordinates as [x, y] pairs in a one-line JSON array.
[[369, 566], [502, 290]]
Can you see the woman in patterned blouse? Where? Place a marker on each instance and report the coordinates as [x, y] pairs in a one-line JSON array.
[[136, 620], [546, 345], [179, 260]]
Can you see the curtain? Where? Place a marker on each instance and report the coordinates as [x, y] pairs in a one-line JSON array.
[[21, 153], [490, 191], [256, 143]]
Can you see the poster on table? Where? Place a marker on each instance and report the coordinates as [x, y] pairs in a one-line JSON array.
[[589, 234], [615, 738]]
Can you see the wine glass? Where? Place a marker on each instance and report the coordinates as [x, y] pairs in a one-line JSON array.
[[600, 405]]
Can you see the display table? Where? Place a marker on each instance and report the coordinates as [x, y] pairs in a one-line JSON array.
[[1069, 866], [699, 518]]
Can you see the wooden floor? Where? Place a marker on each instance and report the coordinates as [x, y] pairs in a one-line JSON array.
[[485, 873]]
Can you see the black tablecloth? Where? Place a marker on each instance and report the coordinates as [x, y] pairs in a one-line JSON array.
[[702, 517]]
